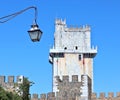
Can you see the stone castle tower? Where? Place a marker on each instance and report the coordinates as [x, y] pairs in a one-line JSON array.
[[71, 53]]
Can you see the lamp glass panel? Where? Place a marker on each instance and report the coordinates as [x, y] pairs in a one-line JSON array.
[[35, 35]]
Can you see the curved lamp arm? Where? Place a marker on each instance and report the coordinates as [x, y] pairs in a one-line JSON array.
[[34, 33], [11, 16]]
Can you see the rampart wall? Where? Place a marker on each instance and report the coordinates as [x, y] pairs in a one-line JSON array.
[[9, 79], [7, 82], [102, 96], [11, 83], [68, 90], [75, 90]]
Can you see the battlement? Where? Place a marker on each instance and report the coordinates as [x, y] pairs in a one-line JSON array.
[[65, 36], [11, 79], [83, 28], [51, 96], [48, 96], [75, 90], [60, 22], [68, 90], [102, 96], [9, 83], [66, 78]]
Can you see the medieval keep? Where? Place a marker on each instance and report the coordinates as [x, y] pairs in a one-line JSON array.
[[72, 55]]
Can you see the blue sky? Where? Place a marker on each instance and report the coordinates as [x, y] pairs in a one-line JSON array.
[[20, 56]]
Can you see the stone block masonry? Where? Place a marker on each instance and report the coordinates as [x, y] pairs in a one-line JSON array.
[[102, 96], [10, 84], [71, 53], [74, 90], [51, 96], [68, 90]]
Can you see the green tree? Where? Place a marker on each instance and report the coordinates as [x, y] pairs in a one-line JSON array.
[[25, 87], [5, 95]]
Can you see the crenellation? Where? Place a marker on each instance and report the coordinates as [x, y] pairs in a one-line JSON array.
[[20, 79], [93, 96], [72, 86], [65, 78], [51, 96], [83, 28], [2, 79], [110, 95], [42, 96], [74, 78], [67, 95], [102, 95], [60, 22], [118, 94], [10, 79], [35, 97], [10, 85], [77, 29]]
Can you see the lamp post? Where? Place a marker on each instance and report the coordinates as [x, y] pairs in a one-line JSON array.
[[34, 32]]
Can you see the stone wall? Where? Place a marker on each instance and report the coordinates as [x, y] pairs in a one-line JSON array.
[[102, 96], [51, 96], [11, 79], [68, 90], [75, 90], [9, 83]]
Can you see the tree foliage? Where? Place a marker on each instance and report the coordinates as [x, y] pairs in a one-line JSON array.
[[5, 95], [25, 88]]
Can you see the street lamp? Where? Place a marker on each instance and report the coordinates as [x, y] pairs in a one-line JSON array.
[[34, 33]]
